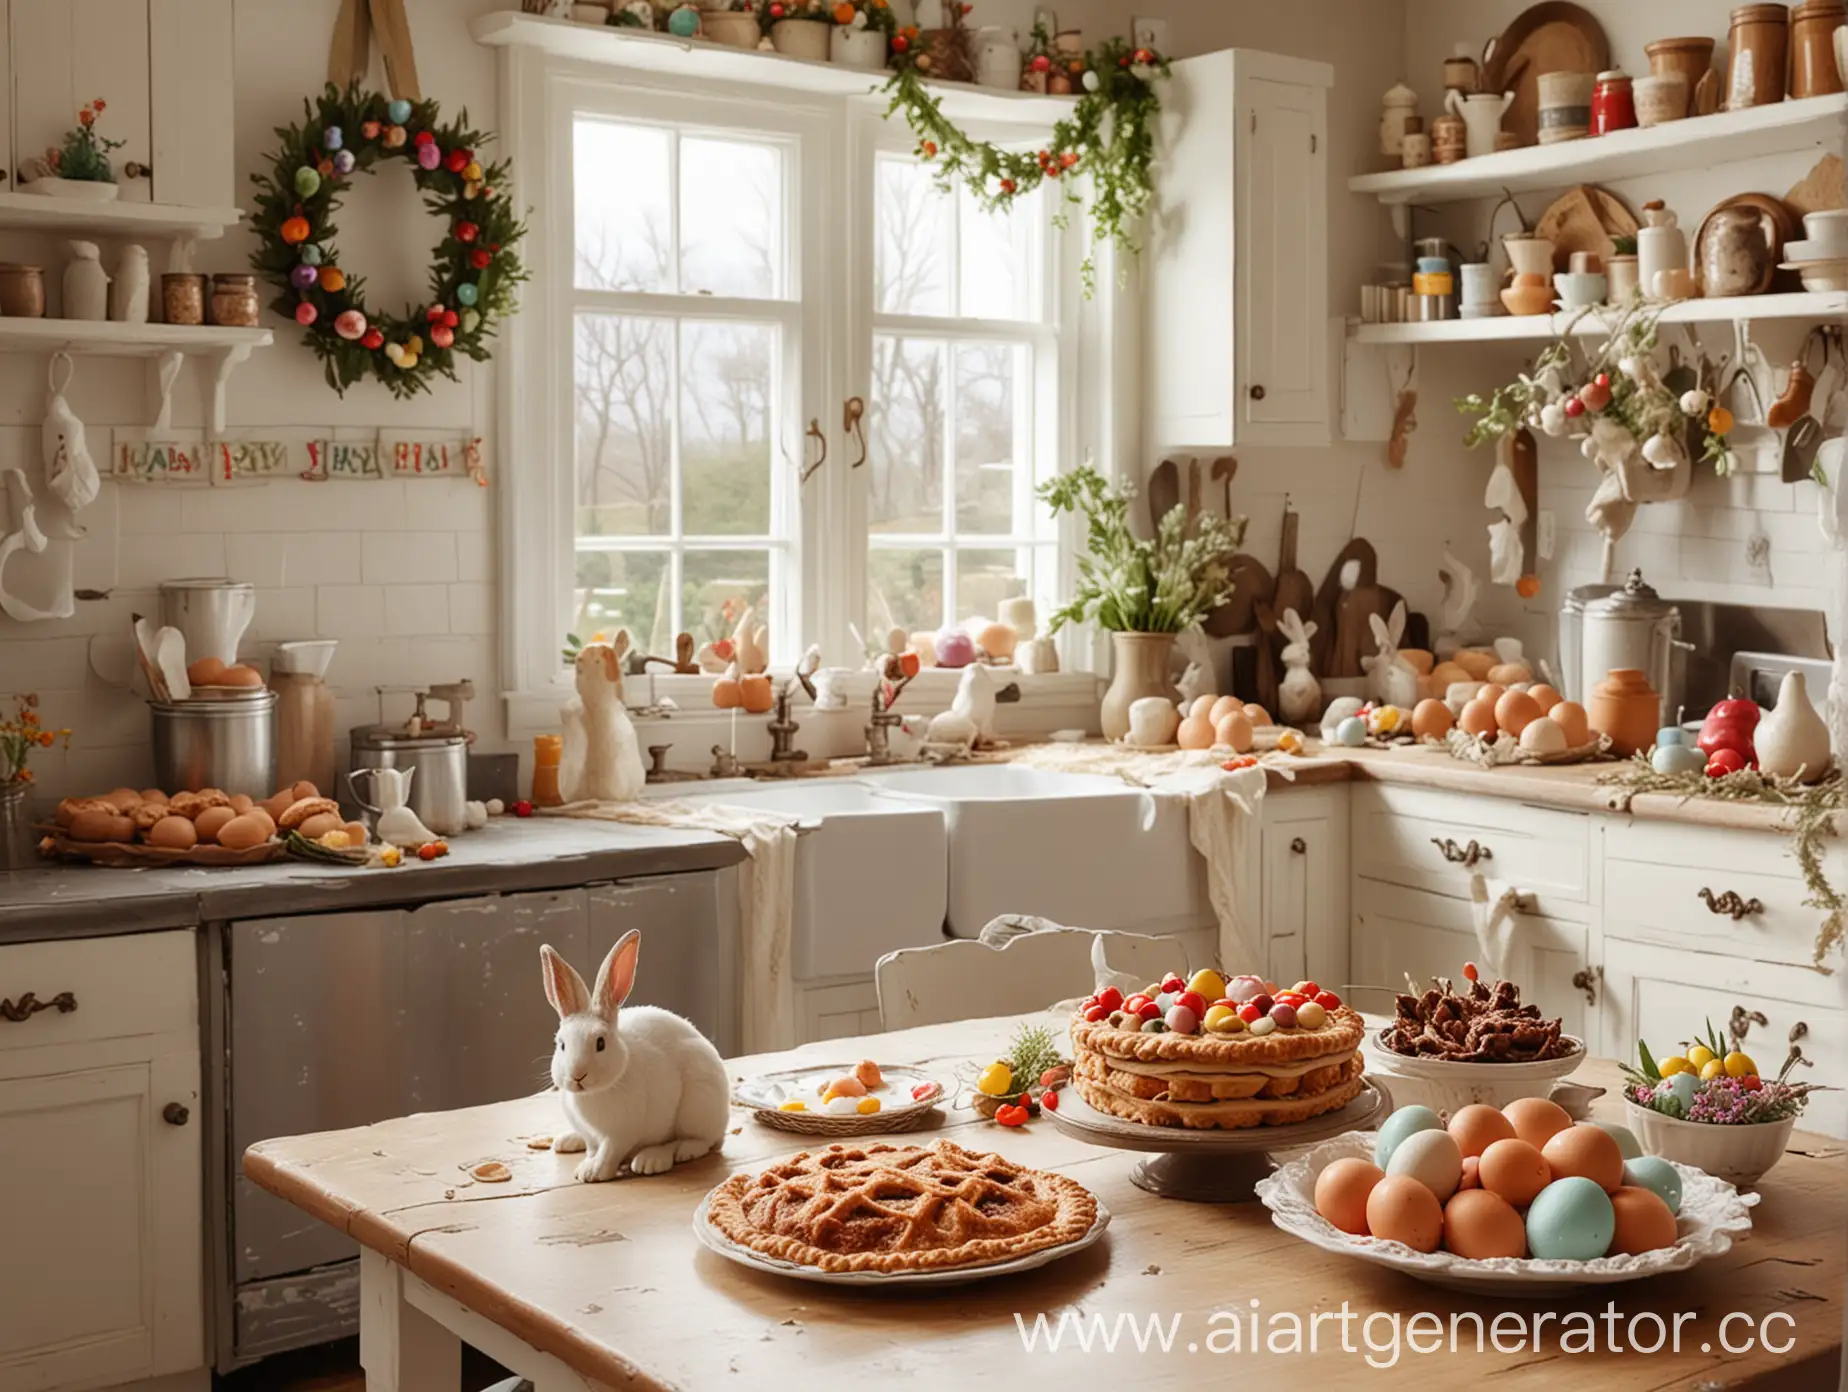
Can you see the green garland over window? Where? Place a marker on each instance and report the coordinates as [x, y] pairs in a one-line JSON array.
[[1109, 137]]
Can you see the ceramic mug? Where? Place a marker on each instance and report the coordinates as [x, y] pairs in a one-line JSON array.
[[1479, 283], [1585, 263], [1660, 99], [1828, 229], [1565, 106], [1580, 289]]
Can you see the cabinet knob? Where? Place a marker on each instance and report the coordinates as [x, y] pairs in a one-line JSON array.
[[175, 1114], [1586, 979], [1299, 846], [1257, 393], [137, 170]]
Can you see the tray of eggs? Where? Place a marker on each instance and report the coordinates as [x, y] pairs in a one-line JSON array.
[[207, 827], [841, 1100], [1518, 1201]]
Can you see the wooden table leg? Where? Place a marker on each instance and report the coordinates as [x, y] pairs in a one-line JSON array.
[[401, 1348]]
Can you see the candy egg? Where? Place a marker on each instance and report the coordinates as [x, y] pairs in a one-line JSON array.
[[428, 157], [1644, 1222], [1209, 983], [307, 182], [306, 314], [1515, 711], [1229, 1023], [1588, 1152], [1570, 717], [1216, 1015], [1431, 719], [467, 293], [1352, 732], [1656, 1175], [1262, 1025], [1387, 720], [1627, 1144], [1542, 735], [1479, 1225], [1571, 1220], [1400, 1209], [1182, 1020], [1406, 1121], [350, 324], [1515, 1170], [1478, 718], [1431, 1158], [332, 138], [304, 277], [1342, 1191], [398, 111], [1536, 1119], [1284, 1015], [1309, 1015], [1477, 1127]]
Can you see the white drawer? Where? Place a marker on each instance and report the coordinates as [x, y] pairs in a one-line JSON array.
[[1736, 893], [136, 984], [1423, 840]]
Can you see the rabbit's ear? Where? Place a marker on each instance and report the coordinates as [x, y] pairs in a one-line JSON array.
[[1310, 630], [1381, 634], [612, 665], [619, 645], [563, 986], [616, 977], [1398, 622]]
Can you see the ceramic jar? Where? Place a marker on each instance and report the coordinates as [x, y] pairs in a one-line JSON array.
[[1812, 48], [86, 283], [1792, 741], [1760, 43], [1565, 106], [1613, 103], [182, 298], [1460, 71], [1690, 57], [733, 28], [1449, 139], [801, 38], [234, 301], [1661, 98], [1529, 255], [1661, 246], [128, 296], [1141, 671], [1399, 106], [1736, 254], [997, 58], [1625, 277], [22, 291], [1627, 708], [1416, 152]]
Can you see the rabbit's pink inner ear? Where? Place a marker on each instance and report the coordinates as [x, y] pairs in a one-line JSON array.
[[564, 988], [616, 977], [620, 644]]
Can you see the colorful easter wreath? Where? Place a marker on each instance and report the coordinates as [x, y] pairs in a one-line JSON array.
[[474, 269]]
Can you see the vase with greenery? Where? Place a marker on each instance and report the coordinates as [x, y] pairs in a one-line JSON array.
[[21, 734], [79, 167], [1142, 591]]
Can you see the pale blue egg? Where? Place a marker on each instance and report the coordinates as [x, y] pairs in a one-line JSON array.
[[310, 254], [1352, 732], [1406, 1121], [1571, 1220], [1656, 1175], [467, 294], [1684, 1086], [398, 111], [683, 22], [1627, 1144]]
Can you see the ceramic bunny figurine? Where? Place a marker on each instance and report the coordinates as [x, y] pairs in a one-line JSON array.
[[1391, 680], [1299, 696], [639, 1085], [970, 720], [602, 757]]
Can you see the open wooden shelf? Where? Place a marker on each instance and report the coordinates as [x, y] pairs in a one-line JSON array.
[[106, 338], [1534, 328], [34, 212], [1700, 142]]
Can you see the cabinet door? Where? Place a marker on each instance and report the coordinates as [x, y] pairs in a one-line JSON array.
[[8, 157], [689, 945], [191, 121], [105, 1234], [68, 52], [1282, 304], [1304, 876]]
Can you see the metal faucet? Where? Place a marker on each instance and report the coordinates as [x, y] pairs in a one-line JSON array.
[[781, 727], [884, 719]]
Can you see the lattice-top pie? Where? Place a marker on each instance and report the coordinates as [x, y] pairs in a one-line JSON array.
[[882, 1207]]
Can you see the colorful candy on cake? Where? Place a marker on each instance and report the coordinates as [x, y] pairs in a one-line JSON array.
[[1208, 1053]]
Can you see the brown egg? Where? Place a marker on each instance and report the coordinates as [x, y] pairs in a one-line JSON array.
[[1546, 697], [727, 694], [1471, 1177], [153, 795], [1202, 706], [1478, 718], [262, 815], [998, 641], [1515, 1170], [1515, 711], [207, 671], [1644, 1222], [274, 807], [1341, 1193], [173, 834], [1233, 729], [1511, 673], [756, 694], [304, 789], [1196, 732], [1489, 692], [1223, 707], [1476, 662], [1479, 1225], [240, 676], [1431, 719], [357, 834], [1475, 1128], [241, 833], [211, 821], [1418, 660], [1570, 717], [1258, 716], [317, 826], [93, 825], [1447, 674], [123, 799], [1588, 1151], [1536, 1119], [241, 803], [1400, 1209]]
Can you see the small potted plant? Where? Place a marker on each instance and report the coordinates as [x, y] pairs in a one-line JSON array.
[[731, 22], [21, 734], [797, 28], [79, 168], [860, 33], [1037, 62], [1142, 592]]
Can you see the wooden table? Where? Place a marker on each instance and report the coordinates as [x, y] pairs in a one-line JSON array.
[[578, 1285]]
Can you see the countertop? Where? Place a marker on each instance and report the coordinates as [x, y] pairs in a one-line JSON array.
[[509, 855]]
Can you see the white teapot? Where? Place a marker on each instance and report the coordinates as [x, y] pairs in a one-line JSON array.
[[397, 825]]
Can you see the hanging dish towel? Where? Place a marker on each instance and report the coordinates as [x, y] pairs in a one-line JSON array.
[[1493, 905], [766, 900]]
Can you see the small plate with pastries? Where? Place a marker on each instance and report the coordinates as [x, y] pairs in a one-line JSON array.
[[842, 1099]]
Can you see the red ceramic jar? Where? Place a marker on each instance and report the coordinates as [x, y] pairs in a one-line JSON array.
[[1613, 105]]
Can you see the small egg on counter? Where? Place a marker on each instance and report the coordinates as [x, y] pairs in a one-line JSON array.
[[1339, 710], [1655, 1174], [1234, 730], [1202, 706], [1478, 718], [1400, 1209], [1536, 1119], [212, 821], [1477, 1127], [1542, 735], [1627, 1144], [241, 833], [1341, 1193], [1196, 732], [1644, 1222], [1404, 1122], [1571, 1220], [1515, 1170], [1352, 732], [1258, 716], [1223, 706], [1431, 1158], [1570, 717], [1588, 1152], [1545, 696], [1479, 1225], [1431, 719], [173, 834], [1515, 711]]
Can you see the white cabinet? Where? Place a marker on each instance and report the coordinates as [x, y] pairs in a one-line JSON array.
[[1303, 885], [1237, 257], [100, 1152]]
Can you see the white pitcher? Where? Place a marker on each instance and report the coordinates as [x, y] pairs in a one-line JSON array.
[[1482, 118], [397, 825]]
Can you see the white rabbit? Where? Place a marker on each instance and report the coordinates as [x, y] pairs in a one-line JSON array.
[[970, 720], [1299, 695], [602, 758], [641, 1084], [1391, 680]]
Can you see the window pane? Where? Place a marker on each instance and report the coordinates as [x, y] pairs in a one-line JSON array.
[[624, 230], [726, 381], [986, 376], [904, 588], [997, 259], [912, 239], [717, 586], [985, 578], [624, 589], [731, 218], [625, 390], [906, 435]]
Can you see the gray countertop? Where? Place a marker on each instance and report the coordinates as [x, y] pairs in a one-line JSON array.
[[507, 856]]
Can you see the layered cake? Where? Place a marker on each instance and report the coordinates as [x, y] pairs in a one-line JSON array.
[[1206, 1053]]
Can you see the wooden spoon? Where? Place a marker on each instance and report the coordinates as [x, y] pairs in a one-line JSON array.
[[1359, 554]]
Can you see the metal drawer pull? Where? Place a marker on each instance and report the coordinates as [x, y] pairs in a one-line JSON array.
[[1741, 1021], [1731, 903], [1299, 846], [29, 1005], [1586, 979], [175, 1114], [1468, 856]]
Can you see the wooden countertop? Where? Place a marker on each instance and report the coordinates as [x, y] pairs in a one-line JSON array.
[[609, 1279]]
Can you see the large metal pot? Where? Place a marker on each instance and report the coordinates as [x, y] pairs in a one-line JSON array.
[[229, 745], [1631, 627], [439, 790]]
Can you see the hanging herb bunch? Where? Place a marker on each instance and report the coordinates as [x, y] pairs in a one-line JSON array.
[[474, 267], [1109, 138]]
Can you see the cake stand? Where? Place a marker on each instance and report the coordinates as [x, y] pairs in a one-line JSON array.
[[1216, 1166]]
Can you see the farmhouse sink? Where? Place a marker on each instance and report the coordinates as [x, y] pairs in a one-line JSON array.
[[1080, 849], [870, 872]]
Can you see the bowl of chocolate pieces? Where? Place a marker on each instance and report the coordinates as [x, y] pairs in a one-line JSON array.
[[1447, 1048]]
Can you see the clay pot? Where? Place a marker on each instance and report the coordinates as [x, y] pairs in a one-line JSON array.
[[1691, 57], [1760, 48], [1141, 670], [1812, 48], [22, 291], [1627, 708]]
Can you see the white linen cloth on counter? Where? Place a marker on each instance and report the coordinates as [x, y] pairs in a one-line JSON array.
[[766, 900], [1222, 818]]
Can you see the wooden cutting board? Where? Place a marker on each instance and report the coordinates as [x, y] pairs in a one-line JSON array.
[[1821, 190], [1252, 584], [1328, 599], [1553, 37], [1587, 218]]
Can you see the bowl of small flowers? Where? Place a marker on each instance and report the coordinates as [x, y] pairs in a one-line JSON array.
[[1709, 1107], [79, 168]]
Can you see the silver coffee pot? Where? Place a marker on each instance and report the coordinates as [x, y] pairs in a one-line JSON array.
[[1631, 626]]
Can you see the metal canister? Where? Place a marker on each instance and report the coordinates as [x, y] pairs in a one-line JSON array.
[[439, 789], [229, 745]]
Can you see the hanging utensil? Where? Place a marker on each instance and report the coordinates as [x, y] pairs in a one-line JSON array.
[[1792, 411], [1252, 582], [1800, 449], [1164, 491], [1193, 495], [1225, 469]]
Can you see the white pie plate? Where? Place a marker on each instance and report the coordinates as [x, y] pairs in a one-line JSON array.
[[950, 1276], [1713, 1214], [765, 1092]]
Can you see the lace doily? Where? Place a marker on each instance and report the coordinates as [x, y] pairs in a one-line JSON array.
[[1713, 1215]]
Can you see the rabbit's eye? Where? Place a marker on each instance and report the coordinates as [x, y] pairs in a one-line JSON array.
[[599, 1043]]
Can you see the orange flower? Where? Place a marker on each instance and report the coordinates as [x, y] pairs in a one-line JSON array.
[[29, 715], [25, 775], [843, 13], [86, 117], [46, 739], [100, 104]]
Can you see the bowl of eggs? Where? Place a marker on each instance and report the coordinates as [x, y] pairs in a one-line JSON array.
[[1519, 1200]]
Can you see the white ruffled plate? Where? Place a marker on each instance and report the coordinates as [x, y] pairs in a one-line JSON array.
[[898, 1109], [1713, 1214]]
